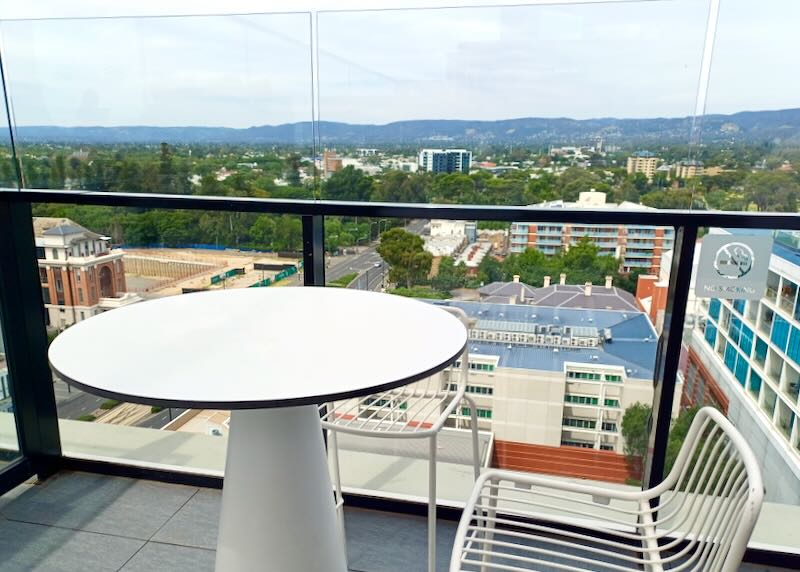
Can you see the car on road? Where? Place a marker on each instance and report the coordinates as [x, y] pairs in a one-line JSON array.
[[377, 265]]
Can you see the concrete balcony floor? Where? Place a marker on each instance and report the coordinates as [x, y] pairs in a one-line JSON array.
[[88, 522]]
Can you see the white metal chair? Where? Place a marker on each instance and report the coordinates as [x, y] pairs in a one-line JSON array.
[[699, 518], [417, 411]]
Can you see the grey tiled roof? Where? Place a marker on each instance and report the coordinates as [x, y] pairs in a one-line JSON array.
[[632, 346]]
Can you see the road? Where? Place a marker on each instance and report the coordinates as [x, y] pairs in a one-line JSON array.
[[158, 420], [71, 403], [368, 263]]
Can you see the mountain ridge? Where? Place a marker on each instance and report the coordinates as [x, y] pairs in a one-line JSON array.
[[778, 126]]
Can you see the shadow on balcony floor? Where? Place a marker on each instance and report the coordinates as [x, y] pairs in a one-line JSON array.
[[87, 522]]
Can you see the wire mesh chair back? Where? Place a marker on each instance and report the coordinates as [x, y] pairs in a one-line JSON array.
[[417, 408], [698, 519], [709, 502]]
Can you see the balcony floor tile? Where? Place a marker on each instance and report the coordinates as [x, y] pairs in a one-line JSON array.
[[170, 558], [196, 524], [96, 523], [98, 503], [40, 548]]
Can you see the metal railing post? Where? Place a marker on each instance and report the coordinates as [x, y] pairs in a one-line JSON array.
[[313, 250], [669, 353], [21, 308]]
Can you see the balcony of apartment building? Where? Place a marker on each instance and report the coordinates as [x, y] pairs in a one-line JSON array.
[[92, 484]]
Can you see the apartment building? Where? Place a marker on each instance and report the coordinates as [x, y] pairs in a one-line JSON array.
[[744, 357], [690, 168], [445, 160], [557, 377], [639, 246], [643, 162], [331, 163], [80, 274]]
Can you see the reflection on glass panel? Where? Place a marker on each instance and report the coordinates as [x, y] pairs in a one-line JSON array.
[[754, 378], [9, 445], [511, 105], [748, 103], [95, 259], [8, 173], [186, 105]]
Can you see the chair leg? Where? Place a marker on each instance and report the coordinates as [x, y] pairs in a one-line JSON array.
[[476, 455], [489, 524], [432, 506], [333, 448]]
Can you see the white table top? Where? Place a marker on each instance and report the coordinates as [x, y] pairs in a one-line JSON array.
[[257, 347]]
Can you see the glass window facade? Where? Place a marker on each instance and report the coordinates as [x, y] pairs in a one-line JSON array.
[[713, 308], [780, 332]]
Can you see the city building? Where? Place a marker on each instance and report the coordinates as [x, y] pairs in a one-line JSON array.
[[446, 237], [544, 378], [445, 160], [651, 291], [362, 152], [561, 295], [688, 169], [473, 254], [638, 246], [331, 163], [643, 162], [744, 357], [80, 274]]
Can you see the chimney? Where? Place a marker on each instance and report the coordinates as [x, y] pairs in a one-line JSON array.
[[587, 289], [562, 278], [609, 281], [522, 295], [516, 278], [546, 281]]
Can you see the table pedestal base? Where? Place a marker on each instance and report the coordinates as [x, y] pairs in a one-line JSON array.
[[278, 508]]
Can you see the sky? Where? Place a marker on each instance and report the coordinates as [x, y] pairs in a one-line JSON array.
[[484, 62]]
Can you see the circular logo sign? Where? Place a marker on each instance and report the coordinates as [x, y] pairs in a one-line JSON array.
[[733, 260]]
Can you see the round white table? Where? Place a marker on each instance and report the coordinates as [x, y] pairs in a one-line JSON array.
[[270, 355]]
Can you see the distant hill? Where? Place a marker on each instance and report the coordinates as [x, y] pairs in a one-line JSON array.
[[781, 126]]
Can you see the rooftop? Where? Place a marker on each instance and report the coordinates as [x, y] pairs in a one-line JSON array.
[[52, 226], [633, 344], [560, 296]]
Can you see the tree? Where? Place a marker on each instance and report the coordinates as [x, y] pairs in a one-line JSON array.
[[668, 199], [348, 184], [583, 263], [575, 180], [635, 431], [165, 169], [628, 282], [677, 435], [403, 251], [263, 230], [773, 191], [398, 186], [450, 275], [490, 270]]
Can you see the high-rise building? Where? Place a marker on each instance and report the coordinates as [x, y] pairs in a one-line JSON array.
[[445, 160], [331, 163], [690, 168], [744, 357], [639, 246], [80, 274], [643, 162]]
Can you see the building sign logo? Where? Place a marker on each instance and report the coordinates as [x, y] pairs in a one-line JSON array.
[[733, 260], [733, 266]]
